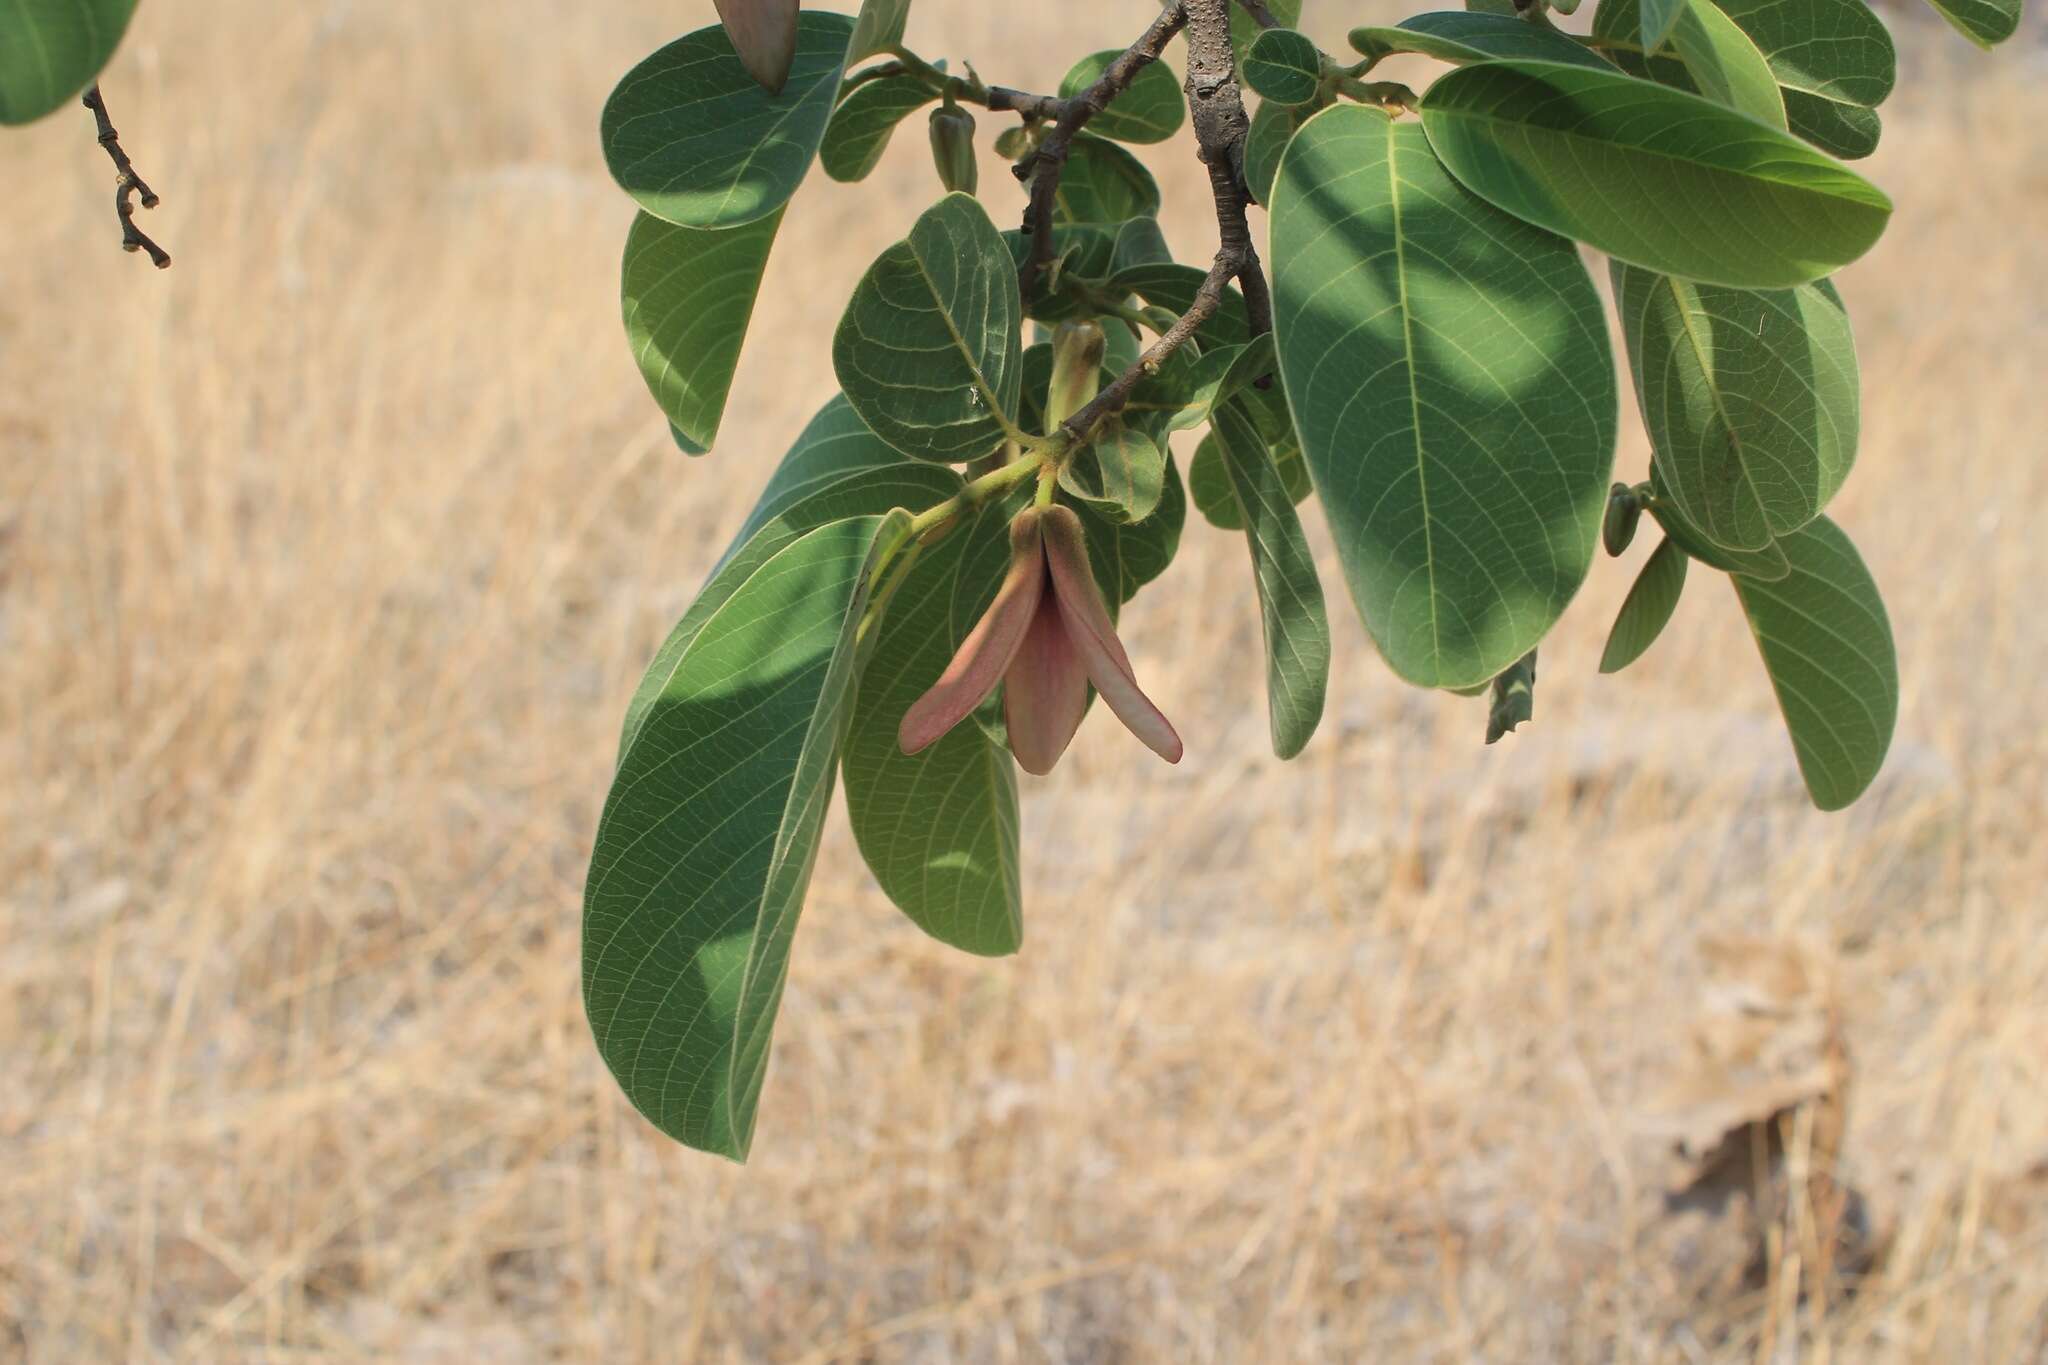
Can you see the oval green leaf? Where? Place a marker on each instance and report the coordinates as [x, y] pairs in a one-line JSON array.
[[1654, 176], [865, 121], [1750, 398], [1827, 644], [938, 828], [1150, 109], [1461, 36], [928, 350], [1986, 23], [1647, 608], [1284, 66], [879, 28], [1449, 375], [1725, 65], [709, 834], [50, 50], [1104, 184], [1121, 473], [691, 136]]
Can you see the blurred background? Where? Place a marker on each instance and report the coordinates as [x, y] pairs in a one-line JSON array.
[[329, 558]]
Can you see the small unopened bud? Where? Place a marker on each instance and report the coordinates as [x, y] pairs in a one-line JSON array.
[[1618, 527], [1076, 370], [953, 148]]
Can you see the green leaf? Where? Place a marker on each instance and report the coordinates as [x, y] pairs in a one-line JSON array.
[[1103, 183], [939, 829], [1986, 23], [1647, 608], [709, 835], [1284, 66], [1272, 125], [1245, 30], [1750, 399], [1121, 473], [50, 50], [691, 136], [1291, 613], [1139, 242], [1657, 177], [1827, 645], [1725, 64], [878, 29], [1833, 61], [1173, 286], [1448, 369], [1768, 563], [864, 122], [836, 469], [1150, 109], [1210, 489], [1659, 17], [687, 297], [928, 349], [1513, 699], [1127, 555], [1461, 36]]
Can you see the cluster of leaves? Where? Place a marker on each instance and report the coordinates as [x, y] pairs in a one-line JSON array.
[[1446, 391], [1436, 371]]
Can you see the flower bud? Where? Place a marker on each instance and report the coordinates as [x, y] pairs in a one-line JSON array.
[[1076, 370], [1618, 527], [953, 148]]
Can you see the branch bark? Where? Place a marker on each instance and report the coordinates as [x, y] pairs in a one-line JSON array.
[[127, 185]]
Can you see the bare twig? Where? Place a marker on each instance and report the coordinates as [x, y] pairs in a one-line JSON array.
[[1043, 167], [127, 185]]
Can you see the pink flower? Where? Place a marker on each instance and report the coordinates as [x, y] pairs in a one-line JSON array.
[[763, 32], [1045, 638]]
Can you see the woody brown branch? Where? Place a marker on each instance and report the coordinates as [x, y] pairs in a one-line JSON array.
[[127, 185]]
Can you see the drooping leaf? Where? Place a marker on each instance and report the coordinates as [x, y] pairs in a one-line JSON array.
[[1654, 176], [1827, 644], [1284, 66], [928, 349], [687, 297], [1448, 370], [1210, 489], [864, 122], [836, 469], [1291, 614], [697, 142], [1150, 109], [1647, 608], [1725, 64], [1121, 473], [938, 828], [1462, 36], [1512, 702], [878, 29], [50, 50], [1986, 23], [1103, 183], [1768, 563], [1750, 398], [710, 833]]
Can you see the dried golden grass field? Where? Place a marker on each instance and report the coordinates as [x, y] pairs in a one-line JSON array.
[[327, 563]]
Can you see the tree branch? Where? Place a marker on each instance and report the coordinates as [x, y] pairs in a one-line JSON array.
[[1044, 166], [127, 185]]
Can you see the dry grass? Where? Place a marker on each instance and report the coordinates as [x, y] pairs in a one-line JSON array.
[[328, 560]]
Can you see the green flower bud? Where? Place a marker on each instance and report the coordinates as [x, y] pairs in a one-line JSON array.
[[953, 148], [1076, 370], [1618, 527]]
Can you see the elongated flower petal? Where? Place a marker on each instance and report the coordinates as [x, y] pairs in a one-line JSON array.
[[763, 32], [984, 656], [1045, 693], [1094, 636]]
